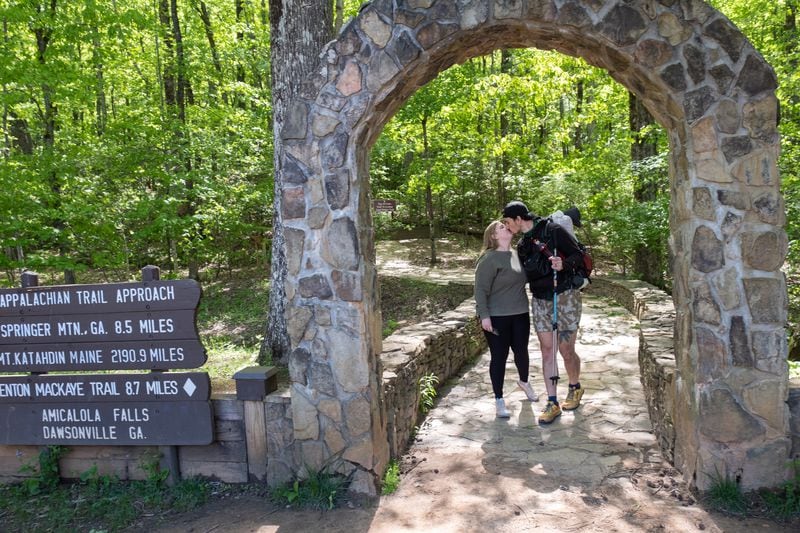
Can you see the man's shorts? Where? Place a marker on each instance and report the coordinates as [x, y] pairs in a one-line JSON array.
[[569, 312]]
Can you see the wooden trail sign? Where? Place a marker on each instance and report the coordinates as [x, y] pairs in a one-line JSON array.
[[110, 355], [120, 423], [62, 389], [118, 326]]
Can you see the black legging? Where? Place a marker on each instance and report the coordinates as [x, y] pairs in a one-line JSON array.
[[513, 332]]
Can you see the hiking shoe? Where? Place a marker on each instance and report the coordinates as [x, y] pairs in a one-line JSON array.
[[573, 399], [528, 390], [502, 412], [550, 413]]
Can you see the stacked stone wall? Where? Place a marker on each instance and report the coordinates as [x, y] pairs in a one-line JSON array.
[[442, 347]]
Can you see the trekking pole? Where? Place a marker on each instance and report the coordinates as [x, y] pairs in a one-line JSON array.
[[554, 377]]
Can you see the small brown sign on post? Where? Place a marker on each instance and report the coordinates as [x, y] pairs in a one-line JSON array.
[[384, 206], [118, 326]]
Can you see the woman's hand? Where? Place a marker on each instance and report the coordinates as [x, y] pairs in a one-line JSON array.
[[557, 263], [486, 324]]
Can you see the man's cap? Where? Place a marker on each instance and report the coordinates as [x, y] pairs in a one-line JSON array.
[[517, 209], [575, 215]]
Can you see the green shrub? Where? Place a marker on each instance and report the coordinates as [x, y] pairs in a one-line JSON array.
[[427, 392], [391, 479], [319, 489]]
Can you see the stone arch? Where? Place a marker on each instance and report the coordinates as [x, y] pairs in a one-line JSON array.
[[701, 79]]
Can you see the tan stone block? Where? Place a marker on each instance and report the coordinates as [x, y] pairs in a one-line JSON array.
[[323, 125], [350, 79], [357, 416], [331, 409], [673, 29], [712, 170], [297, 322], [758, 169], [767, 399], [364, 484], [304, 415], [313, 454], [348, 360], [334, 440], [761, 117], [474, 14], [316, 192], [704, 135], [375, 28], [767, 465], [504, 9], [360, 453], [728, 288]]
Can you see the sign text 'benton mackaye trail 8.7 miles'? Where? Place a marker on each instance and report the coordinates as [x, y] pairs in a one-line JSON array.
[[148, 325]]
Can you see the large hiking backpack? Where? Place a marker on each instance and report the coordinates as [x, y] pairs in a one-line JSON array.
[[535, 260]]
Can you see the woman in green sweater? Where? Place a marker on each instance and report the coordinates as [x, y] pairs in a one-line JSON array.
[[502, 306]]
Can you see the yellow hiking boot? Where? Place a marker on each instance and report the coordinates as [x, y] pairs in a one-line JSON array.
[[573, 400], [550, 413]]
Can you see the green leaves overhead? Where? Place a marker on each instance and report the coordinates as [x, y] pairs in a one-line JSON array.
[[534, 125], [119, 178]]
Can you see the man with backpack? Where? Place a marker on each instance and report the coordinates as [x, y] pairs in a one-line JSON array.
[[554, 264]]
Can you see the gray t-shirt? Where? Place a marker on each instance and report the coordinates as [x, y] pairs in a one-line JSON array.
[[500, 285]]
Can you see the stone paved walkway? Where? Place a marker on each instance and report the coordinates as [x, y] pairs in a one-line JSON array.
[[589, 470]]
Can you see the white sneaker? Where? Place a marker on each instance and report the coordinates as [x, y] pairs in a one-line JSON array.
[[528, 390], [502, 412]]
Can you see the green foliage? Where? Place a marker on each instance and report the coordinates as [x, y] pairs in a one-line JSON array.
[[389, 327], [99, 502], [45, 479], [427, 392], [784, 503], [725, 495], [794, 369], [318, 489], [123, 179], [391, 478]]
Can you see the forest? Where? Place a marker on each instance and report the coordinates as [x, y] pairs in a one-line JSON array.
[[141, 132]]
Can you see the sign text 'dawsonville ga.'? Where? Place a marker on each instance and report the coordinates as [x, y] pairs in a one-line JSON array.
[[142, 423]]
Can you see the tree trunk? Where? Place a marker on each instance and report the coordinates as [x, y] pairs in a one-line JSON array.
[[505, 163], [182, 96], [644, 146], [101, 112], [428, 191], [6, 136], [43, 33], [578, 134], [337, 25], [202, 10], [298, 32]]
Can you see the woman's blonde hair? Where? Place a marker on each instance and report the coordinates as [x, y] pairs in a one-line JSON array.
[[489, 240]]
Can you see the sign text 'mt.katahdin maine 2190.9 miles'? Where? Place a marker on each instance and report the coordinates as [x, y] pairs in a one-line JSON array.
[[149, 325]]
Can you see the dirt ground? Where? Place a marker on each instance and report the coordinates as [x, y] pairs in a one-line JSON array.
[[598, 469]]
